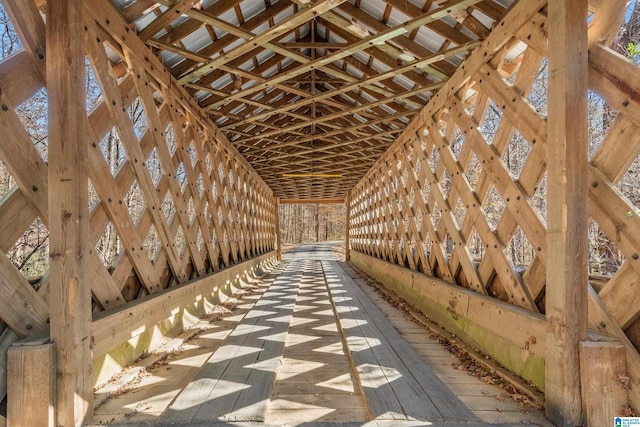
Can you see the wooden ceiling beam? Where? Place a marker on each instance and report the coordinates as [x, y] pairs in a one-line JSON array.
[[229, 38], [306, 158], [272, 33], [492, 9], [346, 130], [360, 99], [384, 58], [345, 28], [439, 27], [138, 8], [308, 151], [355, 92], [440, 69], [278, 147], [329, 69], [260, 69], [347, 121], [345, 166], [218, 74], [381, 76], [313, 45], [308, 201], [373, 40], [331, 159], [167, 17], [353, 111], [386, 53]]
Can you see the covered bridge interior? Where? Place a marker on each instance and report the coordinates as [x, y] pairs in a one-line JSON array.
[[148, 144]]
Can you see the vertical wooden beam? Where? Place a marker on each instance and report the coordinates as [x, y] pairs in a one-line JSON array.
[[31, 380], [567, 212], [70, 293], [602, 365], [347, 220], [278, 237]]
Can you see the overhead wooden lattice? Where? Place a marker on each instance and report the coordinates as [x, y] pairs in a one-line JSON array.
[[309, 88]]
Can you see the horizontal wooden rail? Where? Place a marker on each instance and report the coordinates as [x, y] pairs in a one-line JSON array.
[[127, 321]]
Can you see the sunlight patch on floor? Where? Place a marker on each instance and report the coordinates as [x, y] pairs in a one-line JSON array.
[[228, 352], [374, 376], [341, 383]]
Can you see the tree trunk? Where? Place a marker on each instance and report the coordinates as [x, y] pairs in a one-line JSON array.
[[317, 224]]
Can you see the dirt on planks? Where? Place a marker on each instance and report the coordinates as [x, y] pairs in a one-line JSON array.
[[467, 362]]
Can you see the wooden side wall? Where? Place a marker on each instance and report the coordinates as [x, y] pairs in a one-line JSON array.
[[178, 201], [433, 202]]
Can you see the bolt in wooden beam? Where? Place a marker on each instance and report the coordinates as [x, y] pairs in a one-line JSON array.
[[70, 293], [567, 212]]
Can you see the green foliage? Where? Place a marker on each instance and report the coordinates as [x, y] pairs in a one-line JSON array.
[[633, 51]]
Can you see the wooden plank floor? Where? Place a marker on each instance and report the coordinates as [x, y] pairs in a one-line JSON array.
[[310, 347], [398, 384]]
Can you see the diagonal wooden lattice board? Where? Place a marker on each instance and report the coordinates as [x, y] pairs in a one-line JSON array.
[[198, 206], [430, 204]]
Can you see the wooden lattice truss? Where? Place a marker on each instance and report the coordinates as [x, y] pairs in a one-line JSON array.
[[203, 207], [429, 203]]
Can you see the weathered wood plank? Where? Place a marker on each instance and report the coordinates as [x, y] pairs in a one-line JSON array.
[[168, 16], [18, 78], [614, 78], [29, 24], [23, 309], [70, 289], [229, 387], [31, 380], [105, 14], [621, 295], [7, 338], [603, 367], [419, 392], [606, 324], [489, 313], [17, 214], [567, 210]]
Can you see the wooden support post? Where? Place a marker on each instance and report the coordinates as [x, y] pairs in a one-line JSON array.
[[567, 212], [70, 293], [31, 379], [278, 237], [603, 369], [347, 220]]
